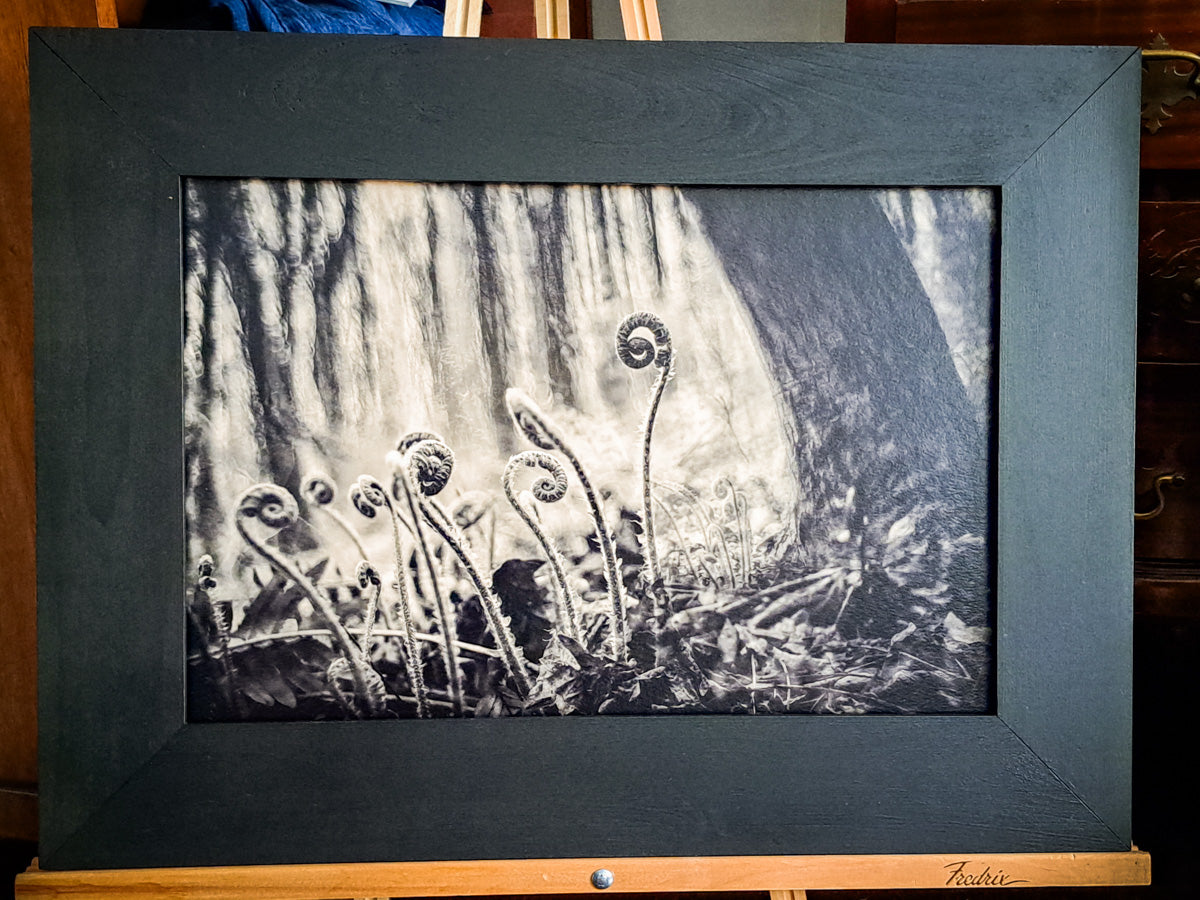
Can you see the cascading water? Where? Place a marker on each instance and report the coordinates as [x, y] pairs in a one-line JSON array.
[[390, 307]]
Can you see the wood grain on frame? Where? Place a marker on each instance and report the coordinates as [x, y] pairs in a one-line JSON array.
[[18, 664], [777, 874], [1083, 22], [903, 784]]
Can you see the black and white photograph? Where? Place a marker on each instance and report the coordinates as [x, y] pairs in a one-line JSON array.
[[481, 450]]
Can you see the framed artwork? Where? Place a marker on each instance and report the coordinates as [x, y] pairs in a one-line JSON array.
[[483, 450], [790, 516]]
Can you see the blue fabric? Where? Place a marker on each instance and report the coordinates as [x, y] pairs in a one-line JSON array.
[[330, 16]]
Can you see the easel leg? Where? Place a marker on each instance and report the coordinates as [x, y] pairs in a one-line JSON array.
[[789, 895]]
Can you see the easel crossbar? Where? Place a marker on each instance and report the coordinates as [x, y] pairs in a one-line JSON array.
[[777, 874]]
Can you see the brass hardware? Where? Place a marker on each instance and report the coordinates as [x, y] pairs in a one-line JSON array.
[[1163, 84], [1172, 479]]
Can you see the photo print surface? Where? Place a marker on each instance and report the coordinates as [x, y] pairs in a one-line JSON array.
[[488, 450]]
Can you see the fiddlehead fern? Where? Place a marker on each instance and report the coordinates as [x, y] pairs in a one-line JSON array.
[[413, 438], [371, 584], [547, 488], [682, 543], [402, 487], [275, 507], [429, 465], [541, 432], [637, 352], [340, 670], [723, 488], [368, 497], [319, 491], [220, 615], [700, 514], [204, 570]]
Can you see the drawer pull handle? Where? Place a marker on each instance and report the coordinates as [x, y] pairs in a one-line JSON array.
[[1159, 483], [1163, 85]]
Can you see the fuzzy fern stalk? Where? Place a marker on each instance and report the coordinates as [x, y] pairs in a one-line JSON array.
[[447, 622], [637, 352], [723, 488], [429, 465], [275, 507], [319, 491], [205, 585], [547, 488], [703, 518], [681, 542], [340, 670], [368, 497], [542, 433], [396, 459], [370, 584]]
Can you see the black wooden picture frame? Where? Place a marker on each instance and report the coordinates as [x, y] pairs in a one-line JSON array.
[[119, 118]]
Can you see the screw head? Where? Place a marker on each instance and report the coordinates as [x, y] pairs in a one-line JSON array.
[[602, 878]]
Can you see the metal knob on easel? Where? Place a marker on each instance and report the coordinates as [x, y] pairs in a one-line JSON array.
[[602, 878]]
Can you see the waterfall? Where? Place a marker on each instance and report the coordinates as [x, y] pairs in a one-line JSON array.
[[325, 319]]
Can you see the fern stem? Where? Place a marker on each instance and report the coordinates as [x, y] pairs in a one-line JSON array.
[[447, 623], [369, 580], [276, 508], [368, 495], [707, 525], [285, 636], [637, 352], [547, 490], [683, 548], [429, 463], [654, 575], [725, 487], [724, 545], [511, 654], [537, 428], [743, 515]]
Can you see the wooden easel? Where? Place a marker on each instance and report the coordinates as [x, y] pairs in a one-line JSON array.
[[640, 18], [778, 875]]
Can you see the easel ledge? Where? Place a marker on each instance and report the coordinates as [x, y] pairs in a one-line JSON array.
[[786, 877]]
